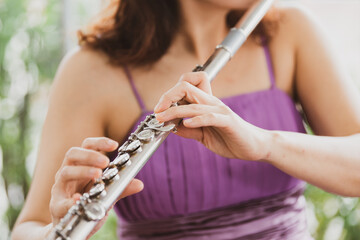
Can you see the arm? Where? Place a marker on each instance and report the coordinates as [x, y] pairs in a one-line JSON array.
[[330, 101], [331, 163], [332, 107], [61, 174]]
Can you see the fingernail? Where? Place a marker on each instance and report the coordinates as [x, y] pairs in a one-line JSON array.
[[159, 115], [141, 185], [94, 172], [111, 142], [156, 107], [188, 120], [102, 159]]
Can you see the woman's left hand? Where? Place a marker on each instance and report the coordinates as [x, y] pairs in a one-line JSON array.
[[210, 121]]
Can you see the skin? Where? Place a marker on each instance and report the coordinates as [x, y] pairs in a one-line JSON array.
[[91, 98]]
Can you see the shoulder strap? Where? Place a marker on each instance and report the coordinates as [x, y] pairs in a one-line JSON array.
[[132, 84], [269, 62]]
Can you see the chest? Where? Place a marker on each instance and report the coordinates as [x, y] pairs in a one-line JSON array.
[[248, 71]]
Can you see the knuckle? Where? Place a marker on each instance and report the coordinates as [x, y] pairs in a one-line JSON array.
[[196, 107], [166, 97], [53, 199], [186, 88], [199, 119], [70, 152], [53, 189], [98, 172], [185, 76], [187, 83], [182, 77], [203, 75], [52, 205], [87, 141], [224, 108], [212, 115], [93, 155], [194, 78], [176, 114], [86, 153], [57, 176], [183, 84], [64, 172]]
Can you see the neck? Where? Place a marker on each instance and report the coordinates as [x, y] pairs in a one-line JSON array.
[[203, 27]]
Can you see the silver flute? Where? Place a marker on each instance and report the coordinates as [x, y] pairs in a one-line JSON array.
[[82, 217]]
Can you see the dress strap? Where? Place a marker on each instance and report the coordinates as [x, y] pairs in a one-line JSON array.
[[135, 91], [269, 62]]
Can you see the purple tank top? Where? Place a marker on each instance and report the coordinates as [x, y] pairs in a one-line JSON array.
[[186, 181]]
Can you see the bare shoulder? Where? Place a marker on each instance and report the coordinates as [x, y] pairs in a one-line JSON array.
[[89, 70], [297, 23], [294, 30], [87, 86], [86, 74], [293, 12]]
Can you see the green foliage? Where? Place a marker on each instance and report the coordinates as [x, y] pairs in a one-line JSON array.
[[108, 231], [30, 51], [333, 211]]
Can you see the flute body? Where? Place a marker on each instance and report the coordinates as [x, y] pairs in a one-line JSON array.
[[82, 218]]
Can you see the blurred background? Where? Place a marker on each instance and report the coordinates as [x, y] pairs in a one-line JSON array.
[[35, 35]]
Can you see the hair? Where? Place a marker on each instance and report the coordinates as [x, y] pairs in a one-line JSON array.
[[139, 32]]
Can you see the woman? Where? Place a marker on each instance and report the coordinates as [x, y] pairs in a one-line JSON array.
[[248, 184]]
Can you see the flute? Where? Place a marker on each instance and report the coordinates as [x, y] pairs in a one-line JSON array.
[[82, 217]]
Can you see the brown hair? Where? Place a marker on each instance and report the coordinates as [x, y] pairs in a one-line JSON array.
[[139, 32]]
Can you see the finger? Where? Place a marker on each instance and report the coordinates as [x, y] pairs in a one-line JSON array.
[[86, 157], [184, 91], [76, 197], [198, 79], [206, 120], [134, 186], [193, 133], [72, 173], [184, 111], [60, 208], [100, 144]]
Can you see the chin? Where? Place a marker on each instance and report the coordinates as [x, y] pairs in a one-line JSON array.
[[231, 4]]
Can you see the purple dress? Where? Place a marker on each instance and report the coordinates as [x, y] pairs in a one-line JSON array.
[[192, 193]]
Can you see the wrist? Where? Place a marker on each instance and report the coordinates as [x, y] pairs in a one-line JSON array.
[[32, 230], [48, 230], [269, 142]]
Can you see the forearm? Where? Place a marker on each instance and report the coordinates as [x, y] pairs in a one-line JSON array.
[[31, 230], [331, 163]]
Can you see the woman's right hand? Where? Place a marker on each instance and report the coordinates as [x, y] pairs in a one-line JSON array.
[[81, 166]]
